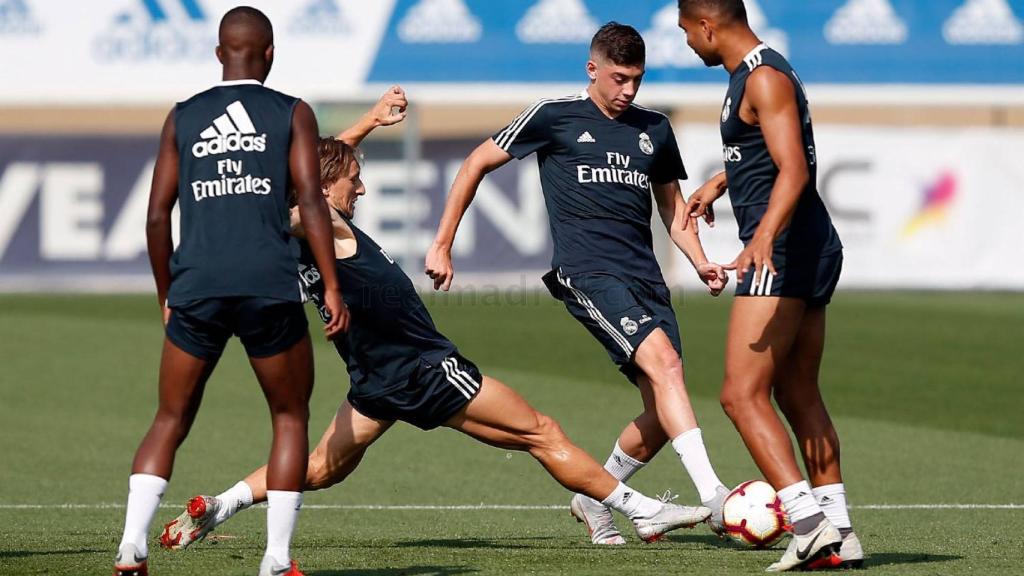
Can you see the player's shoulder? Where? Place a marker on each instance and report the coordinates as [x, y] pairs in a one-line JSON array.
[[555, 105], [650, 120]]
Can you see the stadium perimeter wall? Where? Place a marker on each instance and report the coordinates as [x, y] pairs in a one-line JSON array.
[[918, 107]]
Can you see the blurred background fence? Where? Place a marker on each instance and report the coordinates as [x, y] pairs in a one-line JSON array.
[[918, 107]]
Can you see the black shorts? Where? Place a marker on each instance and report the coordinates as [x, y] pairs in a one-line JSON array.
[[266, 326], [812, 278], [434, 393], [619, 313]]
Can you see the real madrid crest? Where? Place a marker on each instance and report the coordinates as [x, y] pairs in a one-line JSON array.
[[646, 146], [629, 326], [727, 109]]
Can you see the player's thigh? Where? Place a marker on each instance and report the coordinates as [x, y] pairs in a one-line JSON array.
[[800, 376], [762, 331], [499, 416], [182, 380], [348, 435], [656, 354], [287, 377]]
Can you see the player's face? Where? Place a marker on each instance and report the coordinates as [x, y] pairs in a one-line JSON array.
[[346, 190], [697, 39], [616, 85]]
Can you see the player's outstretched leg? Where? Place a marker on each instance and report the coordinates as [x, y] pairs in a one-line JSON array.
[[287, 382], [762, 332], [799, 397], [338, 453], [499, 416], [182, 380], [662, 384]]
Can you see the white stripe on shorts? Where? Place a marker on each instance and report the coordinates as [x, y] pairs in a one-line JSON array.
[[454, 382], [461, 374], [597, 316]]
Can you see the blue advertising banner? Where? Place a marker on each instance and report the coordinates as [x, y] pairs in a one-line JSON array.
[[828, 41]]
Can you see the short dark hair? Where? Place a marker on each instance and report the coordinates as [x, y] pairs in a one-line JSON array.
[[249, 17], [732, 10], [619, 43]]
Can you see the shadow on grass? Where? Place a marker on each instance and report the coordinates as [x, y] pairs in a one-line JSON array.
[[31, 553], [894, 558], [408, 571], [470, 543], [709, 540]]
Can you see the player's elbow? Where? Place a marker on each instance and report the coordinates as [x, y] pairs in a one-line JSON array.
[[157, 221], [796, 173]]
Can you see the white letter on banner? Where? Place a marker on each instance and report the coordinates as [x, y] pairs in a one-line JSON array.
[[127, 238], [71, 212], [18, 186]]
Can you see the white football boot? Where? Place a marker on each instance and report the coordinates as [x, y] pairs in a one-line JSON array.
[[129, 562], [192, 525], [668, 518], [816, 550], [598, 520], [716, 522], [850, 553]]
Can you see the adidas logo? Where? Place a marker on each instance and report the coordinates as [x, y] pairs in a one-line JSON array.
[[586, 138], [866, 22], [232, 131], [168, 30], [439, 22], [16, 18], [557, 22]]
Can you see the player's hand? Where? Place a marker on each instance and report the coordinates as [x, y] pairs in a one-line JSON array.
[[757, 254], [391, 108], [714, 276], [701, 203], [339, 314], [439, 267], [166, 312]]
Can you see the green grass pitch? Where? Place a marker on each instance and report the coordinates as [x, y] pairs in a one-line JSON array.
[[926, 391]]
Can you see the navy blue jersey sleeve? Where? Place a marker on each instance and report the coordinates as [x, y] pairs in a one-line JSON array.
[[528, 133], [668, 164]]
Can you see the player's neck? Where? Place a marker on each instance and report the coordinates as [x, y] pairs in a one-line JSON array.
[[601, 105], [738, 48], [240, 72]]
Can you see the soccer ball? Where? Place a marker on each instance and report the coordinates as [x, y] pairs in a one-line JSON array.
[[753, 514]]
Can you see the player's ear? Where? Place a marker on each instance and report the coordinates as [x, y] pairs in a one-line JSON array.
[[269, 56], [220, 54], [592, 70], [705, 29]]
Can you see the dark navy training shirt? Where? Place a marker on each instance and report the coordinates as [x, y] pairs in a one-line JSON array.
[[389, 330], [233, 144], [597, 175], [751, 172]]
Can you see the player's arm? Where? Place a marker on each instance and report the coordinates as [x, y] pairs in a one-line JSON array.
[[390, 109], [672, 209], [163, 194], [304, 167], [485, 159], [701, 202], [773, 99]]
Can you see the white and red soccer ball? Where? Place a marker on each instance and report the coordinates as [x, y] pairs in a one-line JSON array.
[[753, 514]]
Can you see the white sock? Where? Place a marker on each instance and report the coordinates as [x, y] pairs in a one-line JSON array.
[[233, 500], [282, 512], [144, 493], [832, 499], [622, 466], [631, 503], [799, 501], [690, 447]]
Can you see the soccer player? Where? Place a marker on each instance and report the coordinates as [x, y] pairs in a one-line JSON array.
[[402, 368], [227, 157], [786, 275], [601, 158]]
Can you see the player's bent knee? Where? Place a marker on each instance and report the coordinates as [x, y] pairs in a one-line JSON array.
[[547, 433]]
